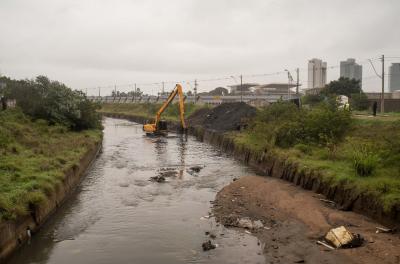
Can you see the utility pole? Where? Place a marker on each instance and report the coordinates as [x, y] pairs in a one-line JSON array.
[[195, 91], [134, 94], [241, 88], [383, 86], [115, 90], [99, 91], [297, 81], [162, 91]]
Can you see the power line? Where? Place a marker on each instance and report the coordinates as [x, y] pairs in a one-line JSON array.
[[227, 78]]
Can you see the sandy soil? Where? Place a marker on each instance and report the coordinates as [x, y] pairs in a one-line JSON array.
[[296, 219]]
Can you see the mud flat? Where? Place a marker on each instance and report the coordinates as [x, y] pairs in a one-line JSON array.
[[294, 219], [13, 233]]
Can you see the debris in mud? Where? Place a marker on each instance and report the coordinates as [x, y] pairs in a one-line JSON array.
[[206, 217], [329, 202], [196, 169], [208, 245], [249, 224], [325, 245], [211, 235], [384, 230], [340, 237], [158, 178], [167, 172], [245, 222], [170, 173]]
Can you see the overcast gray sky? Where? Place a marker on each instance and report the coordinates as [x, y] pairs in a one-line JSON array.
[[90, 43]]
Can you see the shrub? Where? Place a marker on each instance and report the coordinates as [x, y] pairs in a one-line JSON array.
[[364, 161], [359, 101], [54, 102], [311, 99], [285, 125], [306, 149]]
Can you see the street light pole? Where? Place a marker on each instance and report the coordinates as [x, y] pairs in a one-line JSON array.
[[241, 88], [290, 78], [297, 83]]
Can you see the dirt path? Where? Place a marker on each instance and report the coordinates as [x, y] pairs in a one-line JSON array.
[[297, 218]]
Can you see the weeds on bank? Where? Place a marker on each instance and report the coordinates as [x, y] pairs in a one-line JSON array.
[[362, 154], [33, 159]]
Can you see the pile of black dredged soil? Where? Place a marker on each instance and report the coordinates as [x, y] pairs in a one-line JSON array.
[[225, 117]]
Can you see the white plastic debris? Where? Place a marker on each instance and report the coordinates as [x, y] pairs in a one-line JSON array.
[[339, 237]]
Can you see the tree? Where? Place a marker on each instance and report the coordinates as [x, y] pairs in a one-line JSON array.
[[359, 101], [53, 101], [312, 99], [343, 86], [219, 91]]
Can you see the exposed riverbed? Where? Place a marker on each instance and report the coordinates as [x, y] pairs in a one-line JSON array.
[[118, 216]]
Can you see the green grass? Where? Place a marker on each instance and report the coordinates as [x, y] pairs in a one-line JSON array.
[[149, 110], [33, 159], [382, 136], [368, 117]]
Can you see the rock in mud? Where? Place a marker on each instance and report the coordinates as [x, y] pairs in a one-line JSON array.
[[208, 245], [158, 178], [196, 169], [170, 173]]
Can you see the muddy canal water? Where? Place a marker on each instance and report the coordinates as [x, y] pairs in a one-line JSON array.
[[118, 216]]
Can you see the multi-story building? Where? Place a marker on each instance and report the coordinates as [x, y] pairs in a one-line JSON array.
[[316, 73], [245, 88], [394, 77], [350, 69]]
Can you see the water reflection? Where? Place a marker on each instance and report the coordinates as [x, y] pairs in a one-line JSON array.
[[119, 216]]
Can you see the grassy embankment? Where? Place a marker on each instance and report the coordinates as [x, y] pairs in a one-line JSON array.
[[33, 159], [149, 110], [373, 140]]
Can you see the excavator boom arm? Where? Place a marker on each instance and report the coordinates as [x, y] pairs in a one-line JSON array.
[[177, 90]]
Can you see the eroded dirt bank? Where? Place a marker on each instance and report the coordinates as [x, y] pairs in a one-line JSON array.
[[295, 219]]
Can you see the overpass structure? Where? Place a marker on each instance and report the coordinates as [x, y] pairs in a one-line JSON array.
[[200, 99]]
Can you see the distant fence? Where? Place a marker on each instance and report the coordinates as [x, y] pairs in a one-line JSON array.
[[213, 100], [391, 105]]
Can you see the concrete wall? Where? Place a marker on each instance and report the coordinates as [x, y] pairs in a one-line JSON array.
[[391, 105]]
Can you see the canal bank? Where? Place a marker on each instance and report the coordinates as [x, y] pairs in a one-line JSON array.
[[267, 162], [14, 233], [118, 215]]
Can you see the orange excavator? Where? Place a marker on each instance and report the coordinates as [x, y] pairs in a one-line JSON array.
[[159, 127]]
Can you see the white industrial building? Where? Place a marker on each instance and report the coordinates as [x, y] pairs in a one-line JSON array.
[[316, 73]]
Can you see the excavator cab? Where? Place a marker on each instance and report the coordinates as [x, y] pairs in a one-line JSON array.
[[159, 127]]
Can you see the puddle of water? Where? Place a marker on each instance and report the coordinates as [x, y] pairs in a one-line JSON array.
[[119, 216]]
